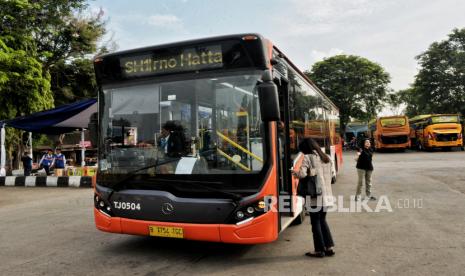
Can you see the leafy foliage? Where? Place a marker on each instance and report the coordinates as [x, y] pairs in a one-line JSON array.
[[44, 55], [355, 84], [439, 86], [73, 81]]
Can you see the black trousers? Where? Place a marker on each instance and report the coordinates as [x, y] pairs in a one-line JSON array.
[[47, 169], [321, 234], [27, 171]]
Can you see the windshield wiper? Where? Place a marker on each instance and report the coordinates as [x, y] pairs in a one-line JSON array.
[[116, 187], [131, 174]]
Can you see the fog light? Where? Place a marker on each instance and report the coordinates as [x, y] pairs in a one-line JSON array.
[[101, 204], [240, 215], [108, 208], [250, 210]]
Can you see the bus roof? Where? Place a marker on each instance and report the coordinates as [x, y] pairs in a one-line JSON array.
[[180, 43], [305, 77]]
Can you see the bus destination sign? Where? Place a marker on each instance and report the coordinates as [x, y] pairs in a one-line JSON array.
[[188, 59]]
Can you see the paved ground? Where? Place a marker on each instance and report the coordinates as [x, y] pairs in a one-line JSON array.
[[50, 231]]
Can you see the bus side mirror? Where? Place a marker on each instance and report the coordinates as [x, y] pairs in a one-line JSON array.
[[269, 102], [93, 129]]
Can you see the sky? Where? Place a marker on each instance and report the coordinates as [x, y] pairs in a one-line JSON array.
[[388, 32]]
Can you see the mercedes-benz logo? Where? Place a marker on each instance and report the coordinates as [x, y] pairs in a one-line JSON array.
[[167, 208]]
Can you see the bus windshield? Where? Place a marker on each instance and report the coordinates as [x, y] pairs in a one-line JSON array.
[[444, 119], [197, 126], [393, 122]]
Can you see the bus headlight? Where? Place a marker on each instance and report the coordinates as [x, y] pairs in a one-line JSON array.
[[102, 206], [249, 211], [240, 215]]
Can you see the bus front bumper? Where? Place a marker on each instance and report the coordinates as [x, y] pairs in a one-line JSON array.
[[394, 146], [261, 229], [439, 144]]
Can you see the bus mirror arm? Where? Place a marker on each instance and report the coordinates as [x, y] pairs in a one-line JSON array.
[[269, 102]]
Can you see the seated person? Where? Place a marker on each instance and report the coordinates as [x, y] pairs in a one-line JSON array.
[[172, 144], [172, 139]]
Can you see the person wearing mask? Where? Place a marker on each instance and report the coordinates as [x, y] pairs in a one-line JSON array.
[[46, 161], [27, 163], [316, 162], [364, 169]]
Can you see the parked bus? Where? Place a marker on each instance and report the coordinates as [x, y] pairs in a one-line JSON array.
[[436, 131], [391, 132], [195, 139]]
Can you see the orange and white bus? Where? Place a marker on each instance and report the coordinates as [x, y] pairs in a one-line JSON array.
[[436, 131], [392, 132], [231, 102]]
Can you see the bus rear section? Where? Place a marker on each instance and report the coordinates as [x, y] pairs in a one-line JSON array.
[[391, 132], [437, 131]]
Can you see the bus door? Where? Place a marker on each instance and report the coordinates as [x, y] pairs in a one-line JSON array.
[[284, 158]]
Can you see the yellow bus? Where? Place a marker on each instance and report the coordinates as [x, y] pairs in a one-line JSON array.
[[390, 132], [436, 131]]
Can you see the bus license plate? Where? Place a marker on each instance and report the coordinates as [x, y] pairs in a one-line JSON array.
[[167, 232]]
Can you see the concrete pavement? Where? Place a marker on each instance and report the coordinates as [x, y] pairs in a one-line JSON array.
[[50, 231]]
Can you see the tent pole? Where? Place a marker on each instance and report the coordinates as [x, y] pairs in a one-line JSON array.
[[2, 151], [83, 149], [30, 145]]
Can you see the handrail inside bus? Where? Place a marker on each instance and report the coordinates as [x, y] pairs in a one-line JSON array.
[[239, 164], [238, 146]]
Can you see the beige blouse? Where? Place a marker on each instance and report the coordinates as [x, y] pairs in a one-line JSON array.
[[323, 173]]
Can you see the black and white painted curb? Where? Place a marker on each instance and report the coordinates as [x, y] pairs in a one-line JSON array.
[[47, 181]]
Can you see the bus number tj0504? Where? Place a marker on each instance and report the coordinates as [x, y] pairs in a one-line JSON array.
[[126, 205]]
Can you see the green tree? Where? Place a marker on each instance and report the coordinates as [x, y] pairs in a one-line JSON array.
[[24, 89], [439, 86], [73, 80], [62, 35], [355, 84], [67, 35], [406, 98], [45, 47]]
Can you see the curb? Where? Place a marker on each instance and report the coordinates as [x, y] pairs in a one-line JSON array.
[[47, 181]]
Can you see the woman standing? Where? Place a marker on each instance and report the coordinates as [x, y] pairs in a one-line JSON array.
[[316, 162], [364, 170]]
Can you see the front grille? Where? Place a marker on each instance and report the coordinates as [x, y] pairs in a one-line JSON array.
[[401, 139], [446, 137]]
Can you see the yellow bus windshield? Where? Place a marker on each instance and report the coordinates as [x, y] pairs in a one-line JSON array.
[[393, 122], [444, 119]]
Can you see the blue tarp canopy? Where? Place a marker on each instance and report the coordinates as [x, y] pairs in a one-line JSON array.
[[63, 119]]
